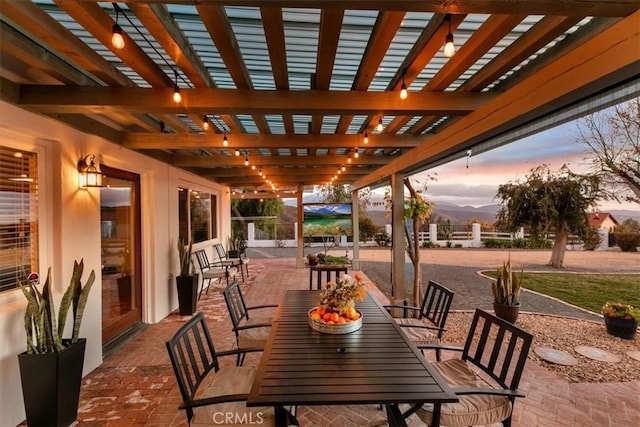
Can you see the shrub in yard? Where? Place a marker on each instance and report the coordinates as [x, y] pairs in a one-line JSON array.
[[492, 243], [591, 239], [628, 242], [519, 243]]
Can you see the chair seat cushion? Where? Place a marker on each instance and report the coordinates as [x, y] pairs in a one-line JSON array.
[[231, 380], [416, 334], [471, 410], [254, 337]]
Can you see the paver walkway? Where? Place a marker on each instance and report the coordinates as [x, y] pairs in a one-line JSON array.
[[135, 385]]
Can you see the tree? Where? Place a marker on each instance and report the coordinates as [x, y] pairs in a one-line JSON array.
[[242, 208], [612, 139], [549, 202]]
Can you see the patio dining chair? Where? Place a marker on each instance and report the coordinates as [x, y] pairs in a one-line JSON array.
[[434, 310], [250, 331], [212, 272], [224, 388], [486, 376], [241, 261]]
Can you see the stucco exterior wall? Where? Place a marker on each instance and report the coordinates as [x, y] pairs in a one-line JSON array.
[[70, 229]]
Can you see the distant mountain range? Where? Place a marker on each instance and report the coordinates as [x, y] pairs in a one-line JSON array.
[[458, 214]]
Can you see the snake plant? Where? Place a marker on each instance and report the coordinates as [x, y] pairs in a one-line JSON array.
[[506, 289], [43, 331]]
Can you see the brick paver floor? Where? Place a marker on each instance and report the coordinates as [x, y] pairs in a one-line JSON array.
[[135, 385]]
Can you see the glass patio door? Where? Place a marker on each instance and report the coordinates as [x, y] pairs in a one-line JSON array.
[[120, 231]]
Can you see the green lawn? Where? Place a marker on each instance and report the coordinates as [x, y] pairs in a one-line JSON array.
[[589, 291]]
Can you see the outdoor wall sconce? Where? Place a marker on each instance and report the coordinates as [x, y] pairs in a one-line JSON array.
[[88, 174]]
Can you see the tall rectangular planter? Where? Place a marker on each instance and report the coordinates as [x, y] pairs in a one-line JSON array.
[[51, 384], [187, 294]]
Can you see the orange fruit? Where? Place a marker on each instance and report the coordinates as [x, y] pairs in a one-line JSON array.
[[342, 320], [335, 317], [326, 317], [316, 316], [320, 310]]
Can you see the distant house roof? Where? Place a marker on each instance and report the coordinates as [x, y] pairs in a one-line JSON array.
[[598, 218]]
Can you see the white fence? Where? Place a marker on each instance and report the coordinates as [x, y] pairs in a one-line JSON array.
[[455, 236]]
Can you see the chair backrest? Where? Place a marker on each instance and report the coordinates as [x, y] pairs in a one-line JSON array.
[[222, 253], [435, 304], [203, 260], [497, 347], [235, 304], [192, 356]]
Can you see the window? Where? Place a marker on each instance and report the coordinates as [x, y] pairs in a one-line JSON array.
[[197, 217], [18, 216]]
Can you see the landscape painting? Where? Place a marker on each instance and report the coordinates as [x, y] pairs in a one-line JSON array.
[[326, 219]]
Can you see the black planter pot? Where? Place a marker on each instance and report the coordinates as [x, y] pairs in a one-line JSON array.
[[620, 327], [187, 294], [51, 384], [507, 312]]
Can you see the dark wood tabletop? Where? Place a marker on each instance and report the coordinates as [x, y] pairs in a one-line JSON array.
[[377, 364]]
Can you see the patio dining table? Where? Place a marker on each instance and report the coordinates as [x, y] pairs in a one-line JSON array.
[[376, 364]]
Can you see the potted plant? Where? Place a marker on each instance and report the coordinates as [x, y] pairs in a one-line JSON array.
[[506, 293], [186, 281], [51, 368], [236, 246], [621, 320], [312, 259]]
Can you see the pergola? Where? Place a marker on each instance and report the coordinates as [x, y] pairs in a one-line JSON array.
[[279, 96]]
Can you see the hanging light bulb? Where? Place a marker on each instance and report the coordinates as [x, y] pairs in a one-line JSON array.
[[380, 125], [449, 47], [356, 154], [349, 158], [253, 167], [205, 123], [339, 171], [260, 172], [403, 88], [237, 153], [117, 40], [246, 159], [366, 137], [177, 98], [225, 140], [344, 168]]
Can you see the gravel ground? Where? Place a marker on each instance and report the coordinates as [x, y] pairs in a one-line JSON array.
[[553, 323]]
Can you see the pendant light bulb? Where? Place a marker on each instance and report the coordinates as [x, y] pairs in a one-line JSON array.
[[246, 159], [356, 154], [237, 153], [449, 47], [225, 141], [403, 89], [177, 98], [117, 40], [380, 125], [260, 172], [366, 137], [349, 158], [344, 168], [205, 123]]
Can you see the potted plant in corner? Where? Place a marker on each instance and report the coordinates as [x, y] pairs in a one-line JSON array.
[[621, 320], [506, 293], [186, 281], [51, 368]]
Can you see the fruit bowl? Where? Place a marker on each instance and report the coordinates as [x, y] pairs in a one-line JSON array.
[[347, 327]]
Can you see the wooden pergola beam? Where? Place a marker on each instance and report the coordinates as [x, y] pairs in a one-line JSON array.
[[101, 100]]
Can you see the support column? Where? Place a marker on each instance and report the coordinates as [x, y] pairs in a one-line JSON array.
[[397, 240], [355, 230], [300, 252]]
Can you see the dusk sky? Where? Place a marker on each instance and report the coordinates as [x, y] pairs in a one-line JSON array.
[[477, 185]]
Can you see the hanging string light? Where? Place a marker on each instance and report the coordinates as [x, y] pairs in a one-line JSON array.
[[449, 47], [225, 140], [380, 126], [344, 168], [366, 137], [237, 153], [205, 122], [246, 158], [177, 98], [403, 88], [349, 158], [117, 40], [355, 153]]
